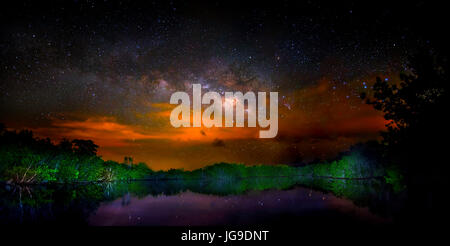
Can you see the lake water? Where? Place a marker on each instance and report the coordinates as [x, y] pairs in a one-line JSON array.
[[263, 201], [257, 207]]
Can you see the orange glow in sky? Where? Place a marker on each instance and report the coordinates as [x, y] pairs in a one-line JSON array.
[[317, 122]]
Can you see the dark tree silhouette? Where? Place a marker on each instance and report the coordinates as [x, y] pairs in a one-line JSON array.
[[128, 160], [65, 145], [85, 147], [417, 132], [2, 128], [416, 109]]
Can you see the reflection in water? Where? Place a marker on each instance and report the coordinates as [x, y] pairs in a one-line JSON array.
[[190, 208], [199, 202]]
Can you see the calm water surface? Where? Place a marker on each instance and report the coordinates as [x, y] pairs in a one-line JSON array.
[[256, 207], [257, 201]]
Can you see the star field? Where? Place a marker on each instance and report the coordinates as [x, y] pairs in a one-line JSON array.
[[71, 67]]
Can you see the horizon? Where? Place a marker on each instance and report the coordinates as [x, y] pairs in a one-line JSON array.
[[109, 77]]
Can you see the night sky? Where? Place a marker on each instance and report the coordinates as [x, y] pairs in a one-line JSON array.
[[105, 70]]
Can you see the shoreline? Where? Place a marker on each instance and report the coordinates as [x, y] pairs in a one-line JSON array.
[[175, 179]]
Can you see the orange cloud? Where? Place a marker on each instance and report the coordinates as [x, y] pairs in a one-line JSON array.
[[323, 111], [321, 120]]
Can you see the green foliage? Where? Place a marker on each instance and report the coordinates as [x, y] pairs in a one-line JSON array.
[[68, 171], [26, 159], [351, 166], [29, 160], [45, 174], [395, 178]]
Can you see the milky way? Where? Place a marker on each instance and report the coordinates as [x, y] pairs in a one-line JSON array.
[[105, 70]]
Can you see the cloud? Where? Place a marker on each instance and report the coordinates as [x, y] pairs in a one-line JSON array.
[[319, 123], [218, 143]]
